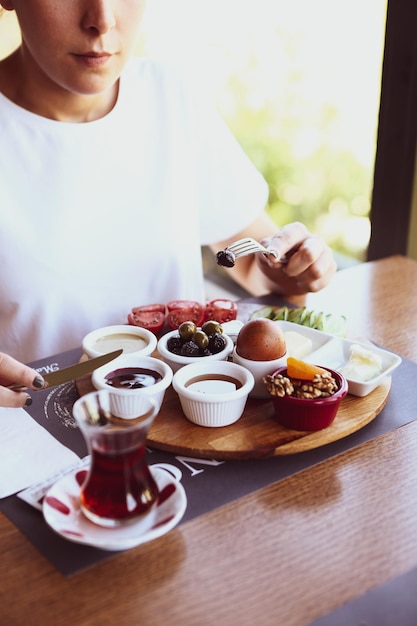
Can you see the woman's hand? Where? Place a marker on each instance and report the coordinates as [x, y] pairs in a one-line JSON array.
[[310, 265], [12, 371]]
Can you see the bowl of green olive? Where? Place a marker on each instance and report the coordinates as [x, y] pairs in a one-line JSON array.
[[192, 344]]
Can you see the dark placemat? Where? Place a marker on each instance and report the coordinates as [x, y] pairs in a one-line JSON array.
[[393, 603], [224, 481]]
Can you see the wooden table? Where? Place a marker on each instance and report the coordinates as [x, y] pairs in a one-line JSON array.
[[284, 555]]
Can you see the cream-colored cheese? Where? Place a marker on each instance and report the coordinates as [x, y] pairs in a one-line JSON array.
[[298, 346], [363, 364]]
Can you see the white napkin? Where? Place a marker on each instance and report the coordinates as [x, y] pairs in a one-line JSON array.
[[28, 453]]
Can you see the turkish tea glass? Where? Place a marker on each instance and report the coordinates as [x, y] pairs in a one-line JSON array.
[[119, 488]]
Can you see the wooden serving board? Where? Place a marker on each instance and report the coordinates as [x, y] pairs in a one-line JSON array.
[[256, 434]]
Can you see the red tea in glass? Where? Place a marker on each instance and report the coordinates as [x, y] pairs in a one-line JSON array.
[[119, 487]]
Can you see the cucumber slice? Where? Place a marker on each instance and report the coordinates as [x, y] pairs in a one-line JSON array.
[[265, 311], [328, 323]]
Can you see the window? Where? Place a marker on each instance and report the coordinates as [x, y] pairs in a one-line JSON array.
[[299, 84]]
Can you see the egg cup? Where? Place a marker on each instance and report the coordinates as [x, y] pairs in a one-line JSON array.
[[259, 369]]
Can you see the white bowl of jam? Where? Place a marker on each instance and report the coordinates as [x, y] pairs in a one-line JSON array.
[[132, 339], [146, 374], [213, 393]]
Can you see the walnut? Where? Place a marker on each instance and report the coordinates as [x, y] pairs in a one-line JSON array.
[[322, 386], [307, 391], [279, 385]]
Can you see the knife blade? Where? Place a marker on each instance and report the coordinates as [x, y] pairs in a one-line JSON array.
[[72, 372]]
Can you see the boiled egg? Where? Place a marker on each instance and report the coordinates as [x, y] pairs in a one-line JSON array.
[[261, 339]]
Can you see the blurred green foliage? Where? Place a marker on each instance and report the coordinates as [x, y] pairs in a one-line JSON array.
[[323, 186]]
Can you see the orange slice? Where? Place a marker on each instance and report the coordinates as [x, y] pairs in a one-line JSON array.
[[299, 369]]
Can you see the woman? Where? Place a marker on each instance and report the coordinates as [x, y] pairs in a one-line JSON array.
[[113, 173]]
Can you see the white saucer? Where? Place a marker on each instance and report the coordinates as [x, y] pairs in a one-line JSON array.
[[62, 512]]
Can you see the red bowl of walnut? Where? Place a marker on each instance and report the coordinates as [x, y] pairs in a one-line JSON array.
[[306, 404]]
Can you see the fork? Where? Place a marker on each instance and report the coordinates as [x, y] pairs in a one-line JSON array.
[[243, 247]]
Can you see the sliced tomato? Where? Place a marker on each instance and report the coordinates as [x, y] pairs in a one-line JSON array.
[[180, 311], [149, 307], [152, 319], [173, 305], [221, 310]]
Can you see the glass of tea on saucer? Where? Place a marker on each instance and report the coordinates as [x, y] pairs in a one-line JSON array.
[[119, 488]]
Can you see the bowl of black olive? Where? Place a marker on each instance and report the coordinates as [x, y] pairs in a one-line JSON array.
[[191, 344]]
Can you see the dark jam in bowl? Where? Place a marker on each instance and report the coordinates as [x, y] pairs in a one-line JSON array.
[[132, 378]]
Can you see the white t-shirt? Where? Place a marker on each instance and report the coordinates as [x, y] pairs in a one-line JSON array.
[[97, 218]]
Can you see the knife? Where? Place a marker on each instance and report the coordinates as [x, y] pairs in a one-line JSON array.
[[72, 372]]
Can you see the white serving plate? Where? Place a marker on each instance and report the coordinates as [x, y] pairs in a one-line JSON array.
[[334, 352]]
